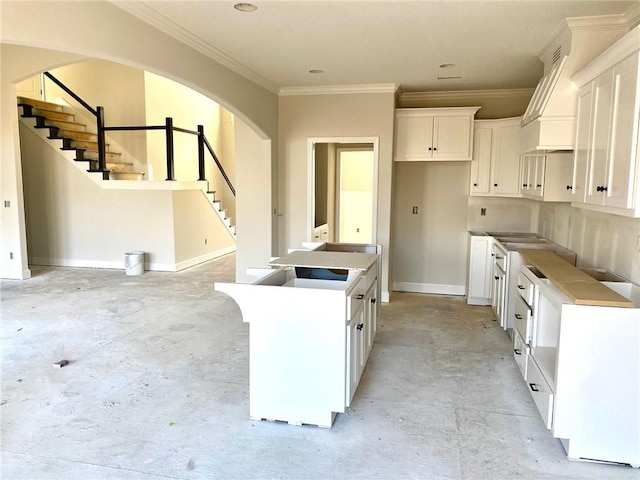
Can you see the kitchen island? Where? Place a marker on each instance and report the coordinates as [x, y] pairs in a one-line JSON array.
[[312, 325]]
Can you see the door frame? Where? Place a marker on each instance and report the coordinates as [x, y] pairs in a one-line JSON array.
[[311, 178]]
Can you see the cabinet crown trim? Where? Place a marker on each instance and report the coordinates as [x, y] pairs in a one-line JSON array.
[[408, 112], [624, 47]]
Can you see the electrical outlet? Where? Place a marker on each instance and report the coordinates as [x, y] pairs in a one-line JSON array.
[[414, 210], [7, 204], [10, 255], [483, 212], [205, 241]]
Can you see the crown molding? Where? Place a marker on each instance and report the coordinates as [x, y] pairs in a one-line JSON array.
[[147, 14], [475, 94], [339, 89]]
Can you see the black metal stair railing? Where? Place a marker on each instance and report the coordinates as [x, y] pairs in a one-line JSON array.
[[169, 129]]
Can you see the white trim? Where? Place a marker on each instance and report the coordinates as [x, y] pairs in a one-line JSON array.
[[339, 89], [385, 297], [478, 301], [458, 94], [311, 176], [204, 258], [147, 14], [429, 288], [119, 265]]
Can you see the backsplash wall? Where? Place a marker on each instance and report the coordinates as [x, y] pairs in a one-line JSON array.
[[600, 240], [503, 215]]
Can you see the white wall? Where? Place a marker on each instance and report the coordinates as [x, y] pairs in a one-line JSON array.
[[130, 42], [600, 240], [430, 247], [329, 116], [117, 88], [503, 214]]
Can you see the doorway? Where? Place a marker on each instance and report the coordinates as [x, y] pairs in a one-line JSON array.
[[343, 184]]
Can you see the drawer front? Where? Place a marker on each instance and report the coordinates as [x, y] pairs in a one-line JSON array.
[[525, 289], [355, 300], [521, 354], [541, 392], [370, 276], [499, 257], [522, 320]]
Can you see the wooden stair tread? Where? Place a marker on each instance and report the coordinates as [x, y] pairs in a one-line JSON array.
[[54, 107], [578, 286]]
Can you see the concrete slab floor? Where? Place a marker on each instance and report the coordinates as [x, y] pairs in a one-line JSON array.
[[158, 387]]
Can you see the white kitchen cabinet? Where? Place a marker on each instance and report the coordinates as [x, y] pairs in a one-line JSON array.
[[495, 166], [607, 154], [583, 372], [500, 267], [479, 273], [309, 337], [547, 177], [434, 134]]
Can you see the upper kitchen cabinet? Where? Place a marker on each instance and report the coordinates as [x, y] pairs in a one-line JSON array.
[[495, 168], [434, 134], [547, 177], [606, 158]]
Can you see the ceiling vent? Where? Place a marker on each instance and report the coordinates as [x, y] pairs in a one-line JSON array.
[[557, 54]]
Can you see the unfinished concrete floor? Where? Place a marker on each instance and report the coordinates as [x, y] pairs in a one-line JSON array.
[[158, 387]]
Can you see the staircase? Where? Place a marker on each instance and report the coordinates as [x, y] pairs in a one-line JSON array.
[[74, 136]]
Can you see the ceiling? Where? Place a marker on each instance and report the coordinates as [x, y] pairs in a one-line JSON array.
[[492, 44]]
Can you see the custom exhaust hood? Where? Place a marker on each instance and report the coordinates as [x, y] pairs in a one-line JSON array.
[[548, 123]]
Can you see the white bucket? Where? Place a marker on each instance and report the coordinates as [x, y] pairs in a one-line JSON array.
[[134, 263]]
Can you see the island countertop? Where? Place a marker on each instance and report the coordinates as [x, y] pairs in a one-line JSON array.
[[324, 259]]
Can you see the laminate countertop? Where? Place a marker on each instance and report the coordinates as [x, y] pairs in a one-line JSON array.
[[578, 286]]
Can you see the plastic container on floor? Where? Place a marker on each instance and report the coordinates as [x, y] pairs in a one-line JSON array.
[[134, 263]]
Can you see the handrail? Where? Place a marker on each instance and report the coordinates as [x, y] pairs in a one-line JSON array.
[[98, 112], [70, 92], [215, 158]]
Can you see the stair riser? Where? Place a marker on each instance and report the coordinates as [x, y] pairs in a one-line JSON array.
[[56, 133], [93, 155]]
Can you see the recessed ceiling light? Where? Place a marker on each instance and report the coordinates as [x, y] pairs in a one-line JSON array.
[[449, 78], [316, 71], [447, 65], [245, 7]]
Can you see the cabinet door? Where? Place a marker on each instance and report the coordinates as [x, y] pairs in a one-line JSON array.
[[481, 163], [505, 170], [528, 174], [600, 123], [582, 148], [452, 137], [624, 131], [538, 175], [370, 318], [354, 354], [479, 288], [414, 139]]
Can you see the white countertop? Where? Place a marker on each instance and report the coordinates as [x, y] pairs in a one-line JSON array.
[[324, 259]]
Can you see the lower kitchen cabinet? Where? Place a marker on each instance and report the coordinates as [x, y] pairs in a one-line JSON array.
[[309, 337], [499, 292], [479, 272], [583, 372]]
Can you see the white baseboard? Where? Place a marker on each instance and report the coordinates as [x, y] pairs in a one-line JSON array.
[[478, 301], [203, 258], [385, 297], [428, 288], [119, 265]]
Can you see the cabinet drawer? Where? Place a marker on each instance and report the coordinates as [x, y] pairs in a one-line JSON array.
[[522, 320], [369, 277], [521, 353], [355, 300], [525, 289], [541, 392]]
